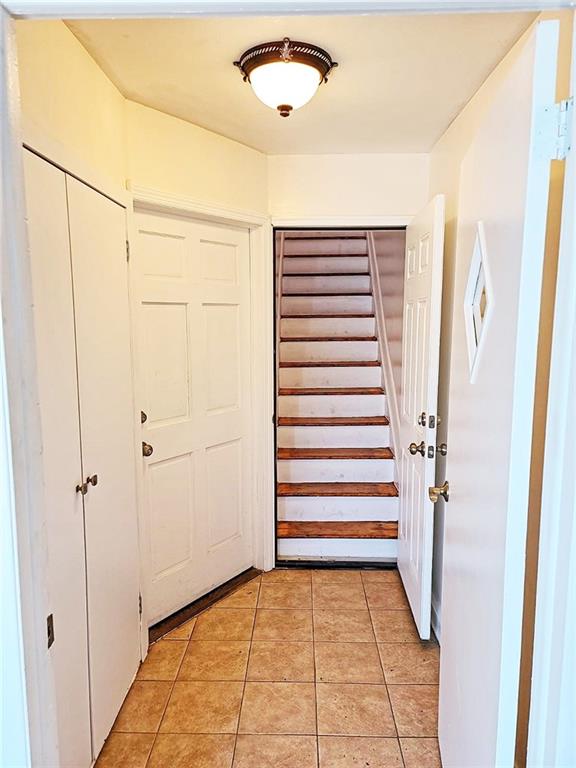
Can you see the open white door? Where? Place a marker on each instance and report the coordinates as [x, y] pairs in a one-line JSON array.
[[418, 417], [194, 369], [499, 256]]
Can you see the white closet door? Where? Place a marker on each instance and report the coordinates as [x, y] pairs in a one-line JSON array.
[[194, 289], [97, 237], [56, 365]]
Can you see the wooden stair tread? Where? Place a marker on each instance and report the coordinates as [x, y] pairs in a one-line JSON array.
[[329, 314], [325, 236], [336, 530], [328, 338], [331, 391], [326, 274], [334, 453], [330, 364], [387, 490], [333, 421], [325, 256], [321, 295]]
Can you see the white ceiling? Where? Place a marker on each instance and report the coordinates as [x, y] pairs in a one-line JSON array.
[[401, 79]]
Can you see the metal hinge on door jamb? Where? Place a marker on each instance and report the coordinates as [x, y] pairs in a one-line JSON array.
[[556, 129], [127, 250]]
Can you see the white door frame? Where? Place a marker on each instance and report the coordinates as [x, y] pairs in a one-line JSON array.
[[551, 738], [262, 369], [77, 9], [19, 399]]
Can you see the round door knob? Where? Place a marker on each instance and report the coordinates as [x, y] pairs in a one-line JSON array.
[[414, 449], [147, 449]]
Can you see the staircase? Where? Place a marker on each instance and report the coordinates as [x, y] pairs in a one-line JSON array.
[[336, 493]]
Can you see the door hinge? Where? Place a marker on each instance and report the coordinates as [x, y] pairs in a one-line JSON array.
[[557, 129], [140, 605], [127, 250], [50, 629]]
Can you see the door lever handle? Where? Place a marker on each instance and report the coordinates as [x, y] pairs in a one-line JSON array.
[[414, 449], [434, 492]]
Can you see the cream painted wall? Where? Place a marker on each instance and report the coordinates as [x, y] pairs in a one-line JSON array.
[[174, 156], [445, 160], [345, 187], [71, 111], [76, 117]]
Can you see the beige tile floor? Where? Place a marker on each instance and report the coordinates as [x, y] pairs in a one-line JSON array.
[[297, 669]]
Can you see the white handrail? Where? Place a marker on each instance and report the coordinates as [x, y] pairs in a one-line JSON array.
[[387, 373], [279, 269]]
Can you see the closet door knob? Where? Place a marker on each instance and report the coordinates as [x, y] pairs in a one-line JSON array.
[[147, 449], [83, 489], [92, 480]]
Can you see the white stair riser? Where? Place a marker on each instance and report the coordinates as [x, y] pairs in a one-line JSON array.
[[326, 305], [378, 550], [334, 437], [331, 246], [324, 264], [336, 471], [332, 405], [323, 284], [345, 376], [328, 326], [309, 351], [337, 508]]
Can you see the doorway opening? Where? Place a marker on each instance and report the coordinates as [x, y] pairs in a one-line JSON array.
[[338, 345]]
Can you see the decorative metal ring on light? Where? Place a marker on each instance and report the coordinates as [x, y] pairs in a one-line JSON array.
[[285, 74]]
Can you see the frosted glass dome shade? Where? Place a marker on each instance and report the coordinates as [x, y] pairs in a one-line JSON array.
[[285, 84]]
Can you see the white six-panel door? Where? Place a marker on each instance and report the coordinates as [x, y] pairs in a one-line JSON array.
[[193, 283], [499, 255], [418, 405]]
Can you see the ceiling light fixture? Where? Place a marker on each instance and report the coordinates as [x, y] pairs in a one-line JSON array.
[[285, 74]]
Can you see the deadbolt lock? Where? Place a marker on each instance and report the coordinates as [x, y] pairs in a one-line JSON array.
[[434, 492], [414, 449]]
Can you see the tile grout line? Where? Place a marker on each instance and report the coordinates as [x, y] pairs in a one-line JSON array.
[[314, 664], [246, 673], [188, 642], [169, 696], [383, 672]]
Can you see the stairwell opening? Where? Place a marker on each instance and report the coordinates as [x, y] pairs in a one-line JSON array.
[[338, 352]]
